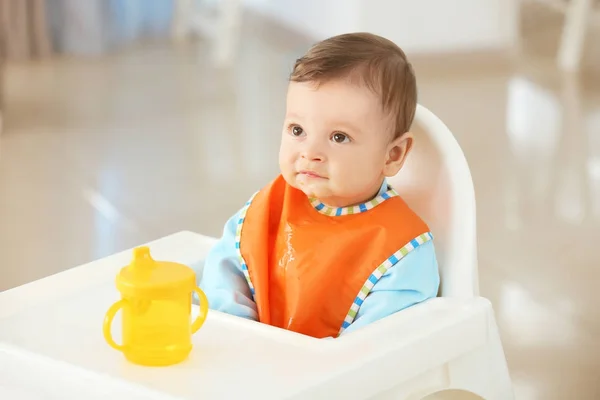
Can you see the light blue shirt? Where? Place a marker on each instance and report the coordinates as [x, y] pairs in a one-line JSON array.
[[413, 279]]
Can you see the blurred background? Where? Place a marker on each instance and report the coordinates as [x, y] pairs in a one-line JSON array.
[[127, 120]]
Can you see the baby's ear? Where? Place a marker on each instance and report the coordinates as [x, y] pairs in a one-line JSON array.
[[396, 154]]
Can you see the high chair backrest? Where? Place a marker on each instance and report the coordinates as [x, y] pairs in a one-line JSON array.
[[436, 182]]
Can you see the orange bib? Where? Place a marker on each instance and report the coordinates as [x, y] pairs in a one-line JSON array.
[[310, 266]]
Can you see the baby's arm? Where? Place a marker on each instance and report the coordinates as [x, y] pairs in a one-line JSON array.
[[413, 279], [223, 280]]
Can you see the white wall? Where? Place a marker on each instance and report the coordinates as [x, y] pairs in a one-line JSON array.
[[315, 18], [418, 26], [440, 25]]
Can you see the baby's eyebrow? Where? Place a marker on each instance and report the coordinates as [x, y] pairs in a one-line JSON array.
[[292, 115], [345, 126]]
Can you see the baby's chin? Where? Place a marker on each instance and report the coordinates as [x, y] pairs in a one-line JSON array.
[[311, 194], [313, 191]]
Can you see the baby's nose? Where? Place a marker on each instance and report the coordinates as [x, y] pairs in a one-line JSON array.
[[316, 158], [313, 153]]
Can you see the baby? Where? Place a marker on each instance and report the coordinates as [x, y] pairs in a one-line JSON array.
[[328, 247]]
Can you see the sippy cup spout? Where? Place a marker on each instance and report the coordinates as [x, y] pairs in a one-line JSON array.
[[142, 258], [142, 252]]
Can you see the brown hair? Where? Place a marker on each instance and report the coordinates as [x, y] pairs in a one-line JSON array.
[[377, 62]]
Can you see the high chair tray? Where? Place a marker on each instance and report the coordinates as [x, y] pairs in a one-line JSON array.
[[24, 375], [51, 343]]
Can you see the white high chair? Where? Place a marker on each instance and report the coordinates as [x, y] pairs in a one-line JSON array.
[[448, 343]]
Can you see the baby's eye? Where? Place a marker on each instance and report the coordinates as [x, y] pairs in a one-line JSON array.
[[340, 138], [297, 130]]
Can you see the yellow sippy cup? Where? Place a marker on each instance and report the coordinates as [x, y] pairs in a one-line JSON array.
[[156, 302]]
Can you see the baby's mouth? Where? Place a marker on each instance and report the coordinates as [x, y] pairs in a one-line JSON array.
[[311, 174]]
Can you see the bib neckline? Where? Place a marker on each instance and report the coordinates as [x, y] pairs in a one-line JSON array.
[[356, 209]]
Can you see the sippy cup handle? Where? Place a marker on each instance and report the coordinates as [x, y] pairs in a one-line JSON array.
[[197, 324], [110, 315]]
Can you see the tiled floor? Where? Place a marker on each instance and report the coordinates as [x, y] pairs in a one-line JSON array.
[[101, 155]]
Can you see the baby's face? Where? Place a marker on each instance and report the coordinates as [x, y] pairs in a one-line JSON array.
[[335, 143]]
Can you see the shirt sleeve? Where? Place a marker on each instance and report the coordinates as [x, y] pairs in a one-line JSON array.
[[412, 280], [222, 279]]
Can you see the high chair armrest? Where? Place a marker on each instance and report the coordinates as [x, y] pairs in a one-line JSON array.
[[430, 335]]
